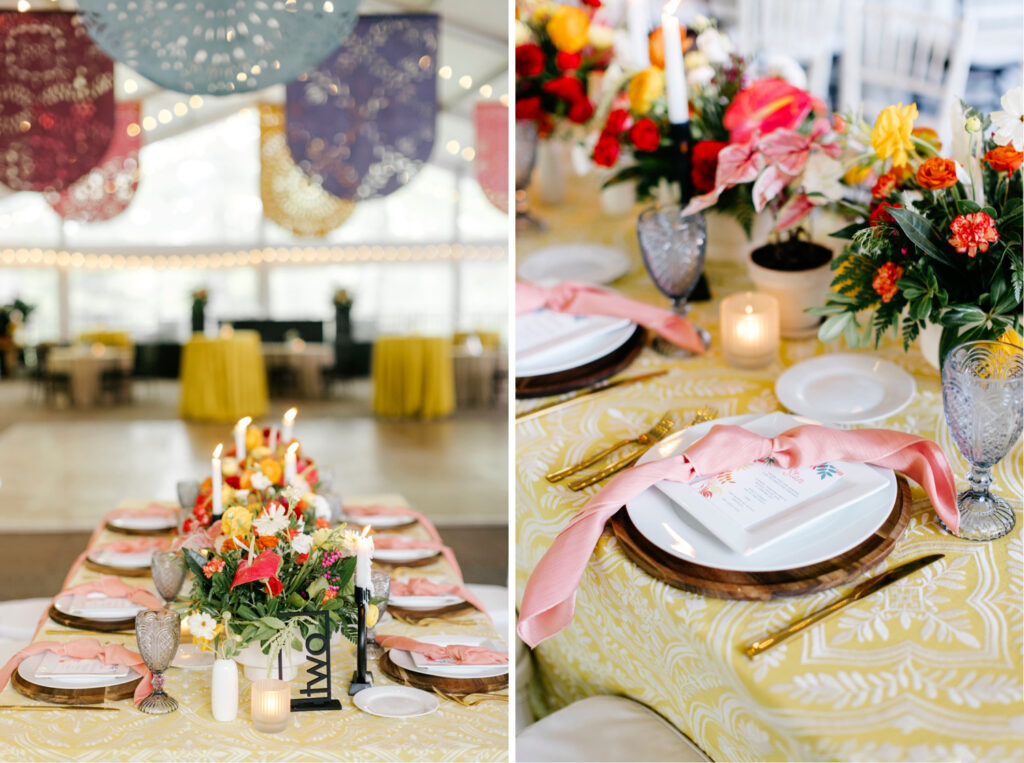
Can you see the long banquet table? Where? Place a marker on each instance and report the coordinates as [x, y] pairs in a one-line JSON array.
[[929, 669], [454, 732]]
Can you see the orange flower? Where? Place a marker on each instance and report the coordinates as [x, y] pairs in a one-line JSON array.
[[568, 28], [973, 233], [329, 594], [272, 470], [884, 282], [267, 541], [1004, 159], [207, 486], [214, 565], [929, 136], [656, 45], [885, 186], [322, 524], [936, 173]]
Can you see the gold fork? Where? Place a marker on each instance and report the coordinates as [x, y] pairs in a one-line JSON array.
[[702, 415], [658, 430], [465, 698]]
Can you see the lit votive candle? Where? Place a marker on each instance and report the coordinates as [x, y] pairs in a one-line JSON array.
[[750, 329], [271, 705]]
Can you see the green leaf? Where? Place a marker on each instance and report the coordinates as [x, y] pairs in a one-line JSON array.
[[918, 230], [833, 327], [848, 231], [195, 563], [967, 207], [272, 622]]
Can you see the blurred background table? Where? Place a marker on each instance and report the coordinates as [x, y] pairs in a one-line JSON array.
[[298, 365], [223, 379], [82, 369], [413, 376]]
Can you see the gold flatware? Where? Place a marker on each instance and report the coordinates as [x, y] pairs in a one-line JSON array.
[[702, 415], [469, 700], [79, 631], [660, 429], [866, 588], [101, 708], [583, 394]]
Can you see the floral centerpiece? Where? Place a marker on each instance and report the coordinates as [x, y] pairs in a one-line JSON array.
[[557, 48], [940, 241], [199, 299]]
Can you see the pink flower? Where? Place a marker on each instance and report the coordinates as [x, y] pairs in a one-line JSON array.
[[973, 233], [786, 149], [795, 210], [768, 186], [764, 106], [738, 163]]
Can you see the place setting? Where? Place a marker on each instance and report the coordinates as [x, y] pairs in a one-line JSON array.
[[450, 665], [153, 520]]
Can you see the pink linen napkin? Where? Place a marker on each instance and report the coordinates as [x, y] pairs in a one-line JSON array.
[[199, 539], [463, 654], [397, 541], [550, 594], [127, 546], [581, 299], [112, 587], [153, 510], [361, 512], [85, 649], [426, 587]]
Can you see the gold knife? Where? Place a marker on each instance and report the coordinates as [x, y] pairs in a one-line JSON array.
[[600, 387], [866, 588]]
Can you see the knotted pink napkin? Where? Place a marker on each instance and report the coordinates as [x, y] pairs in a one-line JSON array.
[[426, 587], [366, 512], [85, 649], [153, 509], [463, 654], [113, 588], [396, 542], [550, 594], [581, 299], [128, 546]]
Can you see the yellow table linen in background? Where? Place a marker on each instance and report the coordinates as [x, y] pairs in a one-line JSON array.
[[223, 379], [109, 338], [413, 376], [928, 669], [454, 732]]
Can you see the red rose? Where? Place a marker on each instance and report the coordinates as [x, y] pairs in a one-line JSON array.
[[234, 481], [528, 108], [606, 152], [881, 213], [592, 3], [617, 120], [645, 135], [567, 88], [581, 111], [705, 164], [567, 62], [529, 60], [188, 525]]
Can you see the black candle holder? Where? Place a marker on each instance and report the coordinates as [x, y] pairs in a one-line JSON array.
[[316, 696], [680, 135], [361, 679]]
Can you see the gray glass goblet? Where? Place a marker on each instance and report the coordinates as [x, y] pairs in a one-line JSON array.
[[157, 633], [380, 592], [983, 397], [526, 156], [672, 246], [168, 570]]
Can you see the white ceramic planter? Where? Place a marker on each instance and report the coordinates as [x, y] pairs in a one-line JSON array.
[[928, 342], [796, 290], [252, 659], [620, 199], [726, 239], [554, 170], [224, 691]]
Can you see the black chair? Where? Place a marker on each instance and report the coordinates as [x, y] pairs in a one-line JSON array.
[[282, 380], [116, 383], [55, 384]]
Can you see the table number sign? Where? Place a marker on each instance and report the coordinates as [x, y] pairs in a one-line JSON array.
[[317, 691]]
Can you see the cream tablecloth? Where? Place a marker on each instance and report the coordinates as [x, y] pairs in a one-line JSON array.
[[930, 669], [85, 365], [454, 732]]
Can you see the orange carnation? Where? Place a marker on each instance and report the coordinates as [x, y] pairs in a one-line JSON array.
[[656, 45], [1004, 159], [272, 470], [885, 186], [266, 541], [936, 173], [884, 282]]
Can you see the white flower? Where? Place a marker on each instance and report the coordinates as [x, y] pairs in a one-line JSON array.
[[973, 124], [822, 174], [302, 543], [292, 494], [1009, 123], [786, 68], [273, 520], [600, 36], [321, 507], [259, 481], [700, 76], [523, 33], [349, 538], [714, 45], [229, 466], [242, 496], [202, 625]]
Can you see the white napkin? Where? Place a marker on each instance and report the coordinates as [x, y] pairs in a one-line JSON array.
[[88, 605], [545, 329], [56, 666]]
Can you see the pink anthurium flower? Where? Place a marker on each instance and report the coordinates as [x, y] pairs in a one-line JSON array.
[[768, 186], [738, 163], [766, 105], [786, 149], [263, 567], [795, 210]]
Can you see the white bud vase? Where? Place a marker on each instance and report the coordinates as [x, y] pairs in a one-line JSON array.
[[224, 690]]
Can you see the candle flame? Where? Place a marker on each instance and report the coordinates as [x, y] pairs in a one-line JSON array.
[[366, 530], [218, 449], [243, 423], [289, 415], [293, 447], [748, 309]]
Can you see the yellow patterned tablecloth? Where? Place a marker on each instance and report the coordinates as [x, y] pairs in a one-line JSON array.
[[929, 669], [413, 376], [223, 379], [454, 732]]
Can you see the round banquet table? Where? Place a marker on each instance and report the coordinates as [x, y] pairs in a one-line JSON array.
[[307, 358], [84, 365], [109, 338], [413, 376], [223, 379], [930, 668]]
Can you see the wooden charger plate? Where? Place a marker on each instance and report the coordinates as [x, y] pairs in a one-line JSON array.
[[147, 533], [421, 614], [762, 586], [124, 572], [583, 376], [83, 696], [84, 623], [457, 686]]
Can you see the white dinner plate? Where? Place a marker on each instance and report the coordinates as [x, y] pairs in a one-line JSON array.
[[143, 522], [191, 657], [845, 388], [424, 602], [402, 555], [382, 521], [578, 349], [668, 526], [115, 612], [404, 659], [586, 263], [135, 560], [27, 670], [396, 701]]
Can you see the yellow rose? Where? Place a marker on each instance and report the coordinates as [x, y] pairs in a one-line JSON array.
[[856, 174], [236, 522], [568, 28], [253, 438], [891, 134], [644, 88], [272, 469], [320, 536]]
